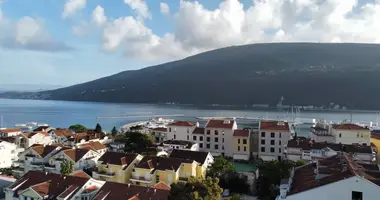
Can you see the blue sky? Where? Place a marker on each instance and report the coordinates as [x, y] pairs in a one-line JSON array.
[[59, 42]]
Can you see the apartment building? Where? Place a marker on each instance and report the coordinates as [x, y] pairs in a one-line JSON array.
[[205, 159], [198, 137], [273, 137], [60, 135], [116, 167], [26, 139], [180, 130], [160, 134], [351, 134], [321, 132], [9, 154], [9, 132], [336, 177], [219, 137], [241, 145], [309, 150]]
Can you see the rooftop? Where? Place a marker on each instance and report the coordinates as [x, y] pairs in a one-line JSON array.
[[10, 130], [224, 124], [46, 150], [41, 128], [241, 133], [115, 158], [95, 146], [188, 144], [199, 130], [76, 154], [160, 129], [182, 123], [63, 132], [348, 127], [161, 163], [198, 156], [274, 125]]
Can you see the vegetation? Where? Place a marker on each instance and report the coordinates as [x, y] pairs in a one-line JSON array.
[[235, 183], [300, 163], [235, 197], [98, 128], [78, 128], [219, 167], [270, 177], [114, 132], [67, 167], [135, 128], [135, 141], [196, 189], [6, 171]]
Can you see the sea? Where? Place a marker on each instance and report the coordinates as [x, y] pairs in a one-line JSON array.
[[65, 113]]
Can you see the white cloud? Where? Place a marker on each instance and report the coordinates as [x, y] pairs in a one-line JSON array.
[[140, 7], [199, 29], [98, 15], [72, 6], [164, 8]]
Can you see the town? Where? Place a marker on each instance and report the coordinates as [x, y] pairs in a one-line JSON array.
[[183, 160]]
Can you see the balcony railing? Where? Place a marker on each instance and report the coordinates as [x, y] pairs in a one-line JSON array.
[[106, 174], [49, 166], [36, 164], [141, 179], [183, 179]]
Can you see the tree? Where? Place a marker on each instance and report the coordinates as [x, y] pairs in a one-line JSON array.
[[114, 131], [300, 163], [98, 128], [196, 189], [235, 197], [78, 128], [220, 166], [135, 141], [67, 167], [234, 182]]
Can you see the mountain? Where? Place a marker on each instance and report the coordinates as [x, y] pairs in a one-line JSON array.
[[27, 87], [303, 73]]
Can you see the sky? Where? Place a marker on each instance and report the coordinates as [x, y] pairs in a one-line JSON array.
[[65, 42]]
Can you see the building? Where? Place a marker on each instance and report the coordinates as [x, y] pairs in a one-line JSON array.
[[113, 191], [116, 167], [42, 185], [78, 139], [60, 135], [26, 139], [95, 146], [116, 146], [169, 145], [273, 137], [198, 137], [160, 134], [9, 154], [43, 128], [351, 134], [9, 132], [219, 137], [336, 177], [205, 159], [241, 145], [309, 150], [153, 169], [321, 132], [81, 158], [180, 130]]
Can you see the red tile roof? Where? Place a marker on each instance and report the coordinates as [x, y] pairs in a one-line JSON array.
[[46, 150], [348, 127], [375, 136], [225, 124], [162, 186], [96, 146], [63, 132], [10, 130], [80, 173], [241, 133], [182, 123], [274, 125], [42, 188], [160, 129], [68, 191], [115, 158], [76, 154], [199, 130]]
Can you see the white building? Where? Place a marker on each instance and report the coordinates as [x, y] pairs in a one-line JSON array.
[[273, 138], [60, 135], [82, 159], [351, 134], [10, 132], [219, 137], [309, 150], [322, 133], [180, 130], [26, 140], [337, 177], [9, 154], [169, 145]]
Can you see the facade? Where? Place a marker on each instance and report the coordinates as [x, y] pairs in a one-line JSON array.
[[351, 134], [205, 159], [169, 145], [241, 145], [82, 159], [180, 130], [273, 137], [336, 177], [198, 137], [116, 167], [9, 154], [218, 137], [321, 133], [116, 146], [60, 135], [159, 134], [26, 139], [10, 132]]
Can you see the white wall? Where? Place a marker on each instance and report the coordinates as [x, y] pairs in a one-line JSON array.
[[317, 138], [180, 132], [341, 190], [285, 136]]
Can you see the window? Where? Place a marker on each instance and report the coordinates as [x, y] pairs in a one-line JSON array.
[[340, 134], [216, 132], [223, 147], [208, 139], [157, 178], [188, 130], [361, 135], [279, 150], [207, 146], [200, 138], [279, 142], [238, 141], [170, 129], [187, 137], [271, 134], [357, 135], [262, 141], [238, 148], [245, 148], [272, 150], [216, 139], [194, 137], [262, 149], [357, 195], [174, 136], [216, 147], [272, 142], [244, 141], [262, 134], [137, 183], [208, 132], [223, 140], [200, 145], [279, 135], [86, 197]]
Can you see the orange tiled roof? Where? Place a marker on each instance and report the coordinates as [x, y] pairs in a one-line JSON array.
[[10, 130], [349, 127], [241, 133], [226, 124], [274, 125], [182, 123], [163, 186]]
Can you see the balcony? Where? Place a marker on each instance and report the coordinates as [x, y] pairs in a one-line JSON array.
[[105, 174], [141, 179], [36, 164], [183, 179], [49, 166]]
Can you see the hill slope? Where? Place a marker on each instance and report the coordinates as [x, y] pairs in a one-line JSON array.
[[304, 73]]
